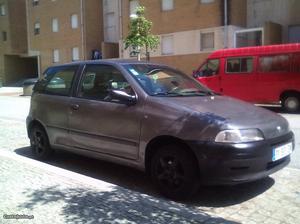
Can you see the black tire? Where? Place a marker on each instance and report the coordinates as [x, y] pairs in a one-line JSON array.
[[291, 103], [175, 172], [40, 143]]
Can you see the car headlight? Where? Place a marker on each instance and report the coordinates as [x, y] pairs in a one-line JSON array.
[[239, 136]]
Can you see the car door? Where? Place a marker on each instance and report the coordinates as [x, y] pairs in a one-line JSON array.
[[51, 102], [100, 123]]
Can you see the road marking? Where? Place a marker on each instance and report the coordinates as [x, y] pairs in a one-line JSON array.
[[99, 184]]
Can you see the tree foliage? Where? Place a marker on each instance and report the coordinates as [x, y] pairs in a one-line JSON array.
[[140, 36]]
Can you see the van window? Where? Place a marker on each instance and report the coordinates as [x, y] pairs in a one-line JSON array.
[[276, 63], [99, 79], [210, 68], [296, 63], [239, 65]]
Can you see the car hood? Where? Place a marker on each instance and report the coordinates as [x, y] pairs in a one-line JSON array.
[[223, 113]]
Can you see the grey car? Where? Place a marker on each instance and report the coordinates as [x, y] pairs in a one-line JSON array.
[[156, 119]]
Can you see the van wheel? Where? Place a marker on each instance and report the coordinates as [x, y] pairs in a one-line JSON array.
[[291, 103], [174, 171], [40, 143]]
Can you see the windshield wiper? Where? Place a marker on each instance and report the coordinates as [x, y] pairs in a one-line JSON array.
[[167, 94], [200, 92]]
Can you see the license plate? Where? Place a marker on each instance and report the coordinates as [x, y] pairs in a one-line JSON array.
[[282, 151]]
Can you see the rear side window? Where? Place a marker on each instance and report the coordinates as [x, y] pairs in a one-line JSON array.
[[239, 65], [57, 81], [276, 63]]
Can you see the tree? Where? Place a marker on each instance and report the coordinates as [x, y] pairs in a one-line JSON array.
[[140, 36]]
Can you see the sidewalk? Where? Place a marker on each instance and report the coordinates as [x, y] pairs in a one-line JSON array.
[[52, 195], [11, 91]]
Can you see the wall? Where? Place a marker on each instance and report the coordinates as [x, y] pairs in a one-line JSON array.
[[283, 12]]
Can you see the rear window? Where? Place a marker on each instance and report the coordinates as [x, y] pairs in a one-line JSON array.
[[275, 63], [239, 65]]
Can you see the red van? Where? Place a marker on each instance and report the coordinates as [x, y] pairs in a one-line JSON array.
[[264, 74]]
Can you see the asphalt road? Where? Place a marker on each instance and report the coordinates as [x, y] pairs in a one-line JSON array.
[[17, 107]]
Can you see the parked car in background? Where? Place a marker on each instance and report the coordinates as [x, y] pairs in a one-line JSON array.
[[264, 74], [156, 119]]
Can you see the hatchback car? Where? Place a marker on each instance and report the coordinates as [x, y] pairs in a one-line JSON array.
[[157, 119]]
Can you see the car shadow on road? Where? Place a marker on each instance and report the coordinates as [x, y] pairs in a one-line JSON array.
[[129, 178]]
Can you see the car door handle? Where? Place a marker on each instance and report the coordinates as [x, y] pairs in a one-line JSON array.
[[75, 106]]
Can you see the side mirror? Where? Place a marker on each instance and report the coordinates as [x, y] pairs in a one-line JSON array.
[[123, 97], [197, 74]]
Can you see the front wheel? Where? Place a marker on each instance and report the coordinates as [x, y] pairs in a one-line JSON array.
[[175, 172], [291, 103], [40, 143]]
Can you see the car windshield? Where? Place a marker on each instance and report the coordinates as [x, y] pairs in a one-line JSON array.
[[159, 80]]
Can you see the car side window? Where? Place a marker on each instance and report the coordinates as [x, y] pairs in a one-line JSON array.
[[59, 80], [239, 65], [98, 80], [56, 81]]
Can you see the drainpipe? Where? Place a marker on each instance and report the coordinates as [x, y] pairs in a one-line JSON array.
[[82, 30], [225, 24], [120, 29]]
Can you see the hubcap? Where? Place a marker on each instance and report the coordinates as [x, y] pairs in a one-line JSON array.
[[292, 103], [38, 143], [170, 173]]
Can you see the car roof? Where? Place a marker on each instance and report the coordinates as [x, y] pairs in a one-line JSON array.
[[109, 61], [258, 50]]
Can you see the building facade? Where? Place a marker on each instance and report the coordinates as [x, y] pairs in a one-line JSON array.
[[64, 31], [14, 60], [36, 34], [188, 29]]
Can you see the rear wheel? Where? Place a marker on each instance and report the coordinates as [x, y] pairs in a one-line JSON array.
[[175, 172], [40, 143], [291, 103]]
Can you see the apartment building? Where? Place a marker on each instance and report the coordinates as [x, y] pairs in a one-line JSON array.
[[61, 31], [36, 34], [188, 29], [14, 60]]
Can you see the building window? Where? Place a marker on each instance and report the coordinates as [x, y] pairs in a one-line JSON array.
[[167, 45], [239, 65], [207, 41], [4, 35], [75, 54], [55, 26], [74, 21], [110, 28], [167, 5], [249, 37], [133, 4], [55, 55], [2, 10], [294, 34], [37, 28], [35, 2], [206, 1]]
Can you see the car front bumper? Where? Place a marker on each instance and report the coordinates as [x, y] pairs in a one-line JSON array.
[[229, 164]]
